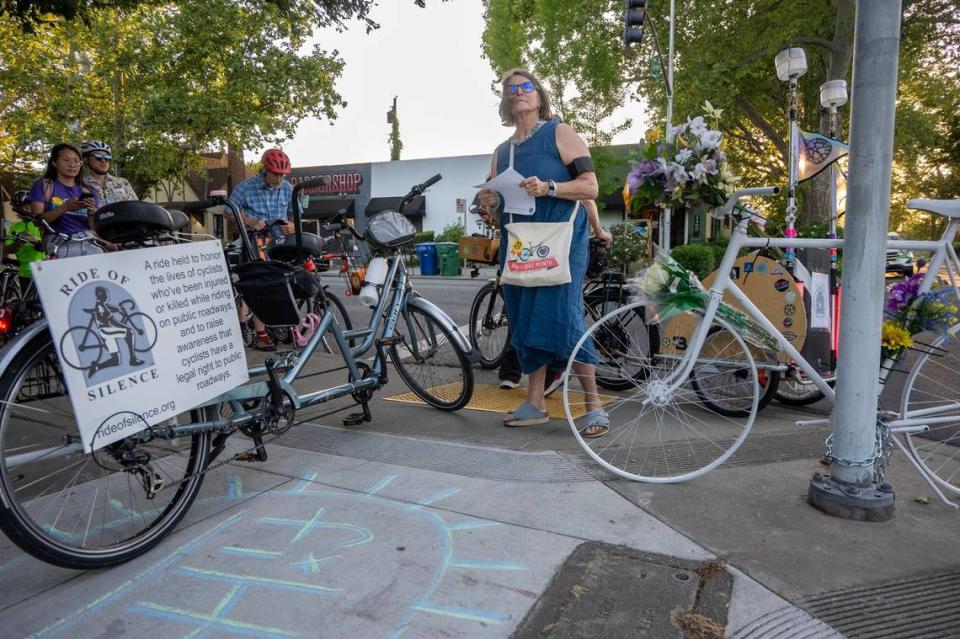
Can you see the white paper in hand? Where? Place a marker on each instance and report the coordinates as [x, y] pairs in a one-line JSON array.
[[515, 199]]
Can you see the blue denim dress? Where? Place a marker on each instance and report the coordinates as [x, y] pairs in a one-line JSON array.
[[546, 322]]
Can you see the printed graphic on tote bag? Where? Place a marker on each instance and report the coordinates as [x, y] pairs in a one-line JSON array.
[[530, 257]]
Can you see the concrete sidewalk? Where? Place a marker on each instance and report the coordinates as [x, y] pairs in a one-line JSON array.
[[430, 524]]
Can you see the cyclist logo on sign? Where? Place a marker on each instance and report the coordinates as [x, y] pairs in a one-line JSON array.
[[108, 336]]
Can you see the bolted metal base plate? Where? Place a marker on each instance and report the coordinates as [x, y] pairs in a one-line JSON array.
[[873, 502]]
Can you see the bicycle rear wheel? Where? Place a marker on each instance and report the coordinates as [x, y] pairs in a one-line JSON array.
[[659, 433], [489, 332], [932, 391], [430, 361], [75, 509], [718, 387], [616, 370], [332, 304]]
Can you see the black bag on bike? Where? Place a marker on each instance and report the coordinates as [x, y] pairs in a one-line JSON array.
[[274, 290]]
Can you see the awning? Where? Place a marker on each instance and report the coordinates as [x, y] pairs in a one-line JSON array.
[[416, 207], [329, 207]]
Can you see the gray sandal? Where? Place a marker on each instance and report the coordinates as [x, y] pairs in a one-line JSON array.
[[598, 421], [526, 415]]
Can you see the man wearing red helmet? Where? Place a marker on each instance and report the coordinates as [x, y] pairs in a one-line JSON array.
[[266, 197], [263, 199]]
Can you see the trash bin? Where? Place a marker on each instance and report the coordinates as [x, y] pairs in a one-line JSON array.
[[448, 255], [427, 254]]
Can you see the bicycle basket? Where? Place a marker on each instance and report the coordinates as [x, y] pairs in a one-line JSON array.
[[389, 229], [272, 290]]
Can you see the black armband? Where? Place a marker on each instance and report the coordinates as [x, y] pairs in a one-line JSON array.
[[580, 165]]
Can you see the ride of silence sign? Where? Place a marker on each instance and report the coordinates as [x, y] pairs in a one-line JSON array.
[[142, 335]]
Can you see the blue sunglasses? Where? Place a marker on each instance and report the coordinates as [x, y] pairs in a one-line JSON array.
[[527, 87]]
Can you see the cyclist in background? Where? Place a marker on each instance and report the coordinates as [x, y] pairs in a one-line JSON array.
[[262, 200], [109, 188]]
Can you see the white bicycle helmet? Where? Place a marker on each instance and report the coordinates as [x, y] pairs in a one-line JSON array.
[[92, 146]]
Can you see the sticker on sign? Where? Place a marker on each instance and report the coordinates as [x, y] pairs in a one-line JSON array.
[[142, 335]]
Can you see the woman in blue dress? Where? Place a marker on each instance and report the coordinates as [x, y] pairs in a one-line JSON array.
[[546, 322]]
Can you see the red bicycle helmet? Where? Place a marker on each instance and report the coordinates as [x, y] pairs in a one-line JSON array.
[[276, 161]]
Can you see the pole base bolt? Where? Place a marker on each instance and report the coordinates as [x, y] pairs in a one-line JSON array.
[[870, 502]]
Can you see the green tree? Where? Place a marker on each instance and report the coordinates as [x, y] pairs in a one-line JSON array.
[[725, 54], [162, 84]]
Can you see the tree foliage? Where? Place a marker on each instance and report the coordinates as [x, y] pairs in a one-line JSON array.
[[162, 84], [725, 53]]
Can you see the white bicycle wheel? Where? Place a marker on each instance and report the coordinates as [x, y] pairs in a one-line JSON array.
[[659, 433], [932, 391]]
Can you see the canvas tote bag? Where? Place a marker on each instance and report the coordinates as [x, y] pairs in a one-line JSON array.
[[538, 253]]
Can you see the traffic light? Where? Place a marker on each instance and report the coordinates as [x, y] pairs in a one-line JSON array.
[[633, 16]]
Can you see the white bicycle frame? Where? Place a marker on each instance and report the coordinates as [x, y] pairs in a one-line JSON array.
[[916, 421]]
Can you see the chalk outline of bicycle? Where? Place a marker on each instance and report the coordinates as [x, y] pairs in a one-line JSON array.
[[527, 252], [90, 330]]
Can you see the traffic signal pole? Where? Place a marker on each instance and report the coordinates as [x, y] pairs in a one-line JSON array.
[[851, 490]]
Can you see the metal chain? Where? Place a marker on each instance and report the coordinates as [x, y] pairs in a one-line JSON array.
[[882, 447]]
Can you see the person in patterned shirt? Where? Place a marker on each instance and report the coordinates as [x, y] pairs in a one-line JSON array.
[[109, 188]]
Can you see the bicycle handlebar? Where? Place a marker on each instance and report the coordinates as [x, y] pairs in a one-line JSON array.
[[758, 191]]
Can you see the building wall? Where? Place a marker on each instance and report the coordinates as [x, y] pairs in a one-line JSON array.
[[460, 174]]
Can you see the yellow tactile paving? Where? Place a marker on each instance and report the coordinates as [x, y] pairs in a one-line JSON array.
[[491, 398]]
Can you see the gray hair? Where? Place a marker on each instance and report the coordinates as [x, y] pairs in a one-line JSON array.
[[506, 115]]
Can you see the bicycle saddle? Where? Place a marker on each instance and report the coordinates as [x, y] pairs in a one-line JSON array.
[[285, 248], [133, 221], [180, 219], [946, 208]]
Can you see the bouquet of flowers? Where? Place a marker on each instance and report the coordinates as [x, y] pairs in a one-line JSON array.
[[910, 312], [689, 169], [674, 289]]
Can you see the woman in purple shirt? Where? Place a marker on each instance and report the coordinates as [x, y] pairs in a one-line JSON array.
[[61, 199]]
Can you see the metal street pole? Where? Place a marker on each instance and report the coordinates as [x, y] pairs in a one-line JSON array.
[[850, 491], [668, 212]]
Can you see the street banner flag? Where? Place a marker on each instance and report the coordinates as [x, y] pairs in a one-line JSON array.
[[817, 152]]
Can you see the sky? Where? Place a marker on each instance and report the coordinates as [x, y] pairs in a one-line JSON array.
[[432, 60]]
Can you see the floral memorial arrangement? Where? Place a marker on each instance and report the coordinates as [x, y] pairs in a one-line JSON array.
[[674, 290], [910, 312], [688, 170]]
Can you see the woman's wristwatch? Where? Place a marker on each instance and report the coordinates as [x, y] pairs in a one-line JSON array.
[[551, 188]]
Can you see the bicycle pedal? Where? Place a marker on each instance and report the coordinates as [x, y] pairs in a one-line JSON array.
[[356, 419]]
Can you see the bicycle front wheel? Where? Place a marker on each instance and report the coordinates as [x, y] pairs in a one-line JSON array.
[[489, 331], [430, 361], [932, 392], [84, 510], [660, 431]]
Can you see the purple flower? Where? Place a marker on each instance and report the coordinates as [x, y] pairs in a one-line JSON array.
[[641, 172]]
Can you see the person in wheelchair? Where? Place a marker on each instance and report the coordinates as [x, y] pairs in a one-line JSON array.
[[111, 330]]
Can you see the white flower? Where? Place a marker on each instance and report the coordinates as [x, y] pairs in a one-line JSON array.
[[674, 131], [711, 111], [683, 156], [699, 173], [710, 140], [679, 173], [697, 126], [653, 280]]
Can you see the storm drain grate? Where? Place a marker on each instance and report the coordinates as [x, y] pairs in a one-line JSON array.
[[919, 607], [457, 459]]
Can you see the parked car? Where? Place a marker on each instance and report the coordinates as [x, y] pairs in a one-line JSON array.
[[899, 261]]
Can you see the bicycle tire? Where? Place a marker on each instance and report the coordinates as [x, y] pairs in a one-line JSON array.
[[933, 386], [430, 343], [658, 434], [121, 523], [792, 392], [342, 315], [769, 381], [489, 336]]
